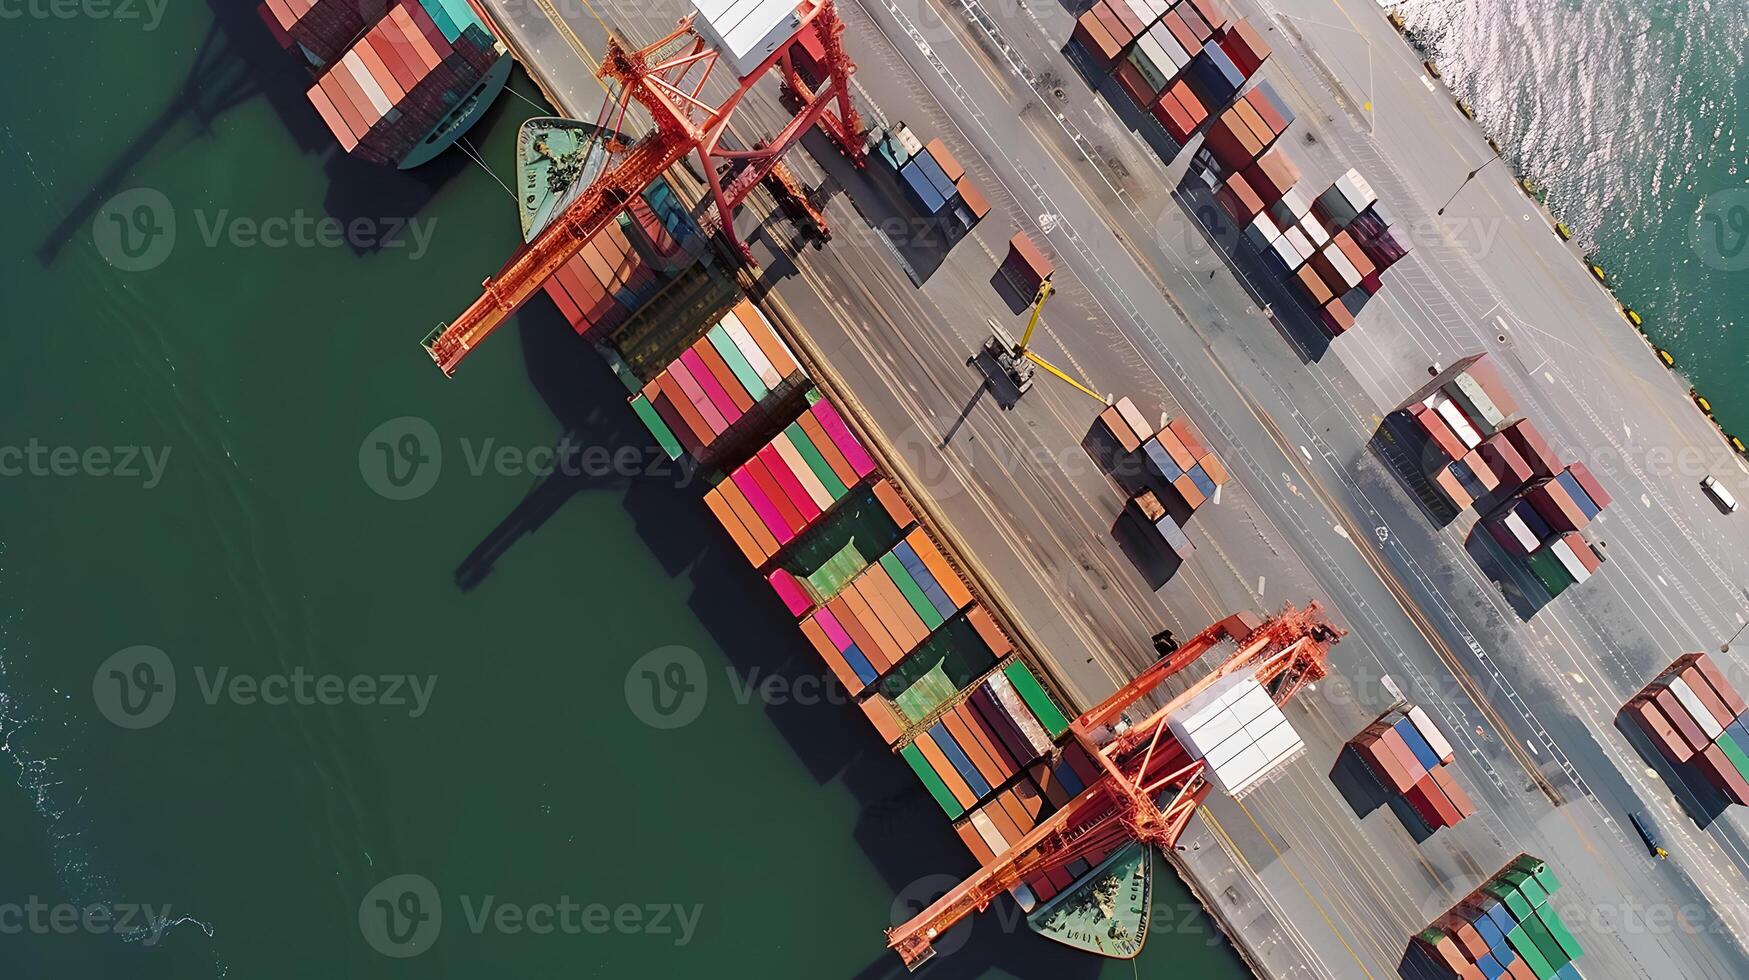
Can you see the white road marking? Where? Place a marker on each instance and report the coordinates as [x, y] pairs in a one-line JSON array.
[[1259, 585]]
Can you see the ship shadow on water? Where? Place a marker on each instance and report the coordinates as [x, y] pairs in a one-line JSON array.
[[236, 62], [900, 830]]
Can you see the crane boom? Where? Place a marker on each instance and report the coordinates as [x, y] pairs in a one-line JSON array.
[[1143, 766], [667, 79]]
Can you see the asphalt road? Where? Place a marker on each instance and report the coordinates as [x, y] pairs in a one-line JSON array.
[[1149, 308]]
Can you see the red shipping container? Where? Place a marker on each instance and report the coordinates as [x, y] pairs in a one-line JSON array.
[[1430, 804], [1448, 785], [1504, 460], [1652, 723], [1113, 24], [1239, 199], [1677, 717], [1227, 145], [1589, 484], [1245, 46], [1096, 40], [1535, 450], [1716, 679], [1719, 771], [1703, 691]]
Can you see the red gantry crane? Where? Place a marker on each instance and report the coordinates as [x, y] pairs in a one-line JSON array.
[[667, 79], [1142, 766]]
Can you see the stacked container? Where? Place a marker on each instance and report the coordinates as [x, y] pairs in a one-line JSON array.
[[979, 744], [1464, 413], [1241, 134], [863, 527], [1180, 62], [1238, 731], [1411, 758], [1696, 719], [1506, 928], [777, 495], [937, 672], [933, 179], [411, 75], [738, 368], [610, 278], [1540, 524], [1146, 509], [1000, 822], [323, 29], [882, 614], [1176, 454]]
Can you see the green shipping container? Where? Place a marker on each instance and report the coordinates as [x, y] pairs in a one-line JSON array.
[[1521, 942], [1035, 697], [1527, 887], [658, 428], [1558, 929], [924, 695], [1508, 896], [1734, 752], [737, 362], [932, 782], [913, 594], [1545, 942], [1537, 867], [816, 462], [1549, 571]]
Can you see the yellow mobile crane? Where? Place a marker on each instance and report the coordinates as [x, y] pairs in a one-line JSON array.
[[1017, 359]]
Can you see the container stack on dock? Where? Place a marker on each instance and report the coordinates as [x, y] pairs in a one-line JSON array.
[[1479, 449], [933, 180], [1411, 758], [739, 367], [1506, 928], [1540, 524], [616, 272], [1697, 721], [1168, 473], [1180, 62], [412, 74]]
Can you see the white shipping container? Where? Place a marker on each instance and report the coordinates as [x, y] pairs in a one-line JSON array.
[[1454, 417], [1521, 532], [1261, 231], [1475, 400], [1435, 738], [1314, 232], [1570, 561], [1696, 710], [1265, 758], [1344, 268], [1301, 244]]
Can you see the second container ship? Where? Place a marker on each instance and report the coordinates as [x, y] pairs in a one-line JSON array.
[[397, 83]]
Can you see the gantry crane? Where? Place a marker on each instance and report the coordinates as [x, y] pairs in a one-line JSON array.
[[667, 80], [1143, 765]]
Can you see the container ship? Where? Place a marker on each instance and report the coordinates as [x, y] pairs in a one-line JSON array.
[[396, 84]]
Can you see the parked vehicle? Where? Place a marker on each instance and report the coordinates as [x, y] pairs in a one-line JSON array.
[[1721, 497], [1649, 834]]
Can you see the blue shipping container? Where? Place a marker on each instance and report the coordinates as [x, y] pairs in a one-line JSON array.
[[1424, 753]]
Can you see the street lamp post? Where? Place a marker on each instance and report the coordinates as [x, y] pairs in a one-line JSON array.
[[1725, 647], [1466, 183]]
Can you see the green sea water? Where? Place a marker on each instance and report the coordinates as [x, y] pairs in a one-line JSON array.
[[436, 711], [1632, 117]]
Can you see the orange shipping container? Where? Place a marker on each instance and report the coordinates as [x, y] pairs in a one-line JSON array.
[[737, 531], [881, 716], [865, 638], [987, 630], [944, 769], [945, 576]]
